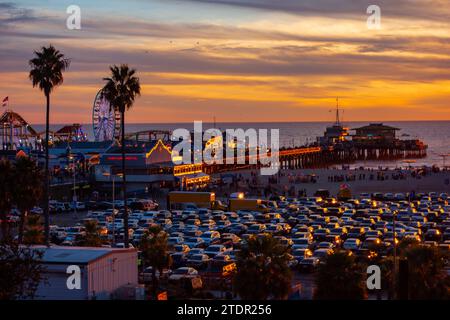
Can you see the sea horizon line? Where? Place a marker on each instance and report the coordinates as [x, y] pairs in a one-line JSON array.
[[284, 122]]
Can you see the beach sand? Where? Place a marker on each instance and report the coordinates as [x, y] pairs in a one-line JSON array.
[[430, 182]]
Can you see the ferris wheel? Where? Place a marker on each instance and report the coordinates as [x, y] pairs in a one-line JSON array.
[[105, 120]]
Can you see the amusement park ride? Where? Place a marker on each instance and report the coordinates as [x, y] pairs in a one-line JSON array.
[[16, 132], [105, 120]]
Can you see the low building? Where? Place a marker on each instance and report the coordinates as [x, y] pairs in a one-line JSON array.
[[333, 135], [148, 165], [70, 133], [105, 272], [375, 132]]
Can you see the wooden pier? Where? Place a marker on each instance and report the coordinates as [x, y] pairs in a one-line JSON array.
[[341, 153], [400, 149]]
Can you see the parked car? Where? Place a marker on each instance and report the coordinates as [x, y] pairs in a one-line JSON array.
[[214, 250], [198, 261], [183, 272], [309, 264], [352, 244]]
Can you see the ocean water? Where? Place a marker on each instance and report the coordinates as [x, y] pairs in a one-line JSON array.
[[436, 134]]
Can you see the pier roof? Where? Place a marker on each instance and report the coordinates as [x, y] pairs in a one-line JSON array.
[[376, 126], [69, 129]]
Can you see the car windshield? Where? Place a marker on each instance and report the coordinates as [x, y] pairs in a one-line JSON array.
[[181, 271]]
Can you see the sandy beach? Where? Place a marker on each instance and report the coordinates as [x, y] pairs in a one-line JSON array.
[[367, 180]]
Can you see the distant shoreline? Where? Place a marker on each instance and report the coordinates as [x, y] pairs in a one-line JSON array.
[[325, 122]]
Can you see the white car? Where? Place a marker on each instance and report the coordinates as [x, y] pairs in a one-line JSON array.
[[60, 206], [400, 196], [122, 245], [133, 223], [214, 250], [183, 272], [210, 236], [37, 210], [78, 205], [148, 274], [352, 244]]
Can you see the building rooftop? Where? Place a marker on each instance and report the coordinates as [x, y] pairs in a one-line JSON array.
[[376, 126], [94, 145], [69, 129], [133, 147], [75, 255]]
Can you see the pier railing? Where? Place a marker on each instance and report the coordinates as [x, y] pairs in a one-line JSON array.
[[323, 156]]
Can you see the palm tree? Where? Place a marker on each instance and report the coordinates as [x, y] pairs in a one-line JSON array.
[[33, 230], [340, 277], [21, 271], [262, 269], [92, 238], [27, 188], [47, 69], [428, 278], [155, 253], [6, 183], [121, 90]]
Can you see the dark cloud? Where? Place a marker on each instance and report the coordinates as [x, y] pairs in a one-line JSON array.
[[427, 9], [10, 13], [51, 28], [107, 29], [276, 61], [7, 6]]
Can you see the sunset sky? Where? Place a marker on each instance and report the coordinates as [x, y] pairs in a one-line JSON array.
[[237, 60]]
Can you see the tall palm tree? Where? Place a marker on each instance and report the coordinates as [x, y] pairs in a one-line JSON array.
[[27, 188], [262, 269], [21, 271], [340, 277], [47, 69], [428, 278], [121, 90], [92, 237], [33, 230], [6, 202], [155, 253]]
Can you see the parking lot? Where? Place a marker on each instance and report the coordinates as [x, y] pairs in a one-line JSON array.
[[312, 227]]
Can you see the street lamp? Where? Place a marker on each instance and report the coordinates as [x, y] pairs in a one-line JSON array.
[[74, 200], [394, 273], [113, 178]]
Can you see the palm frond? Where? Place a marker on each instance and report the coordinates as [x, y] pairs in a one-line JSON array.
[[122, 87], [47, 68]]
